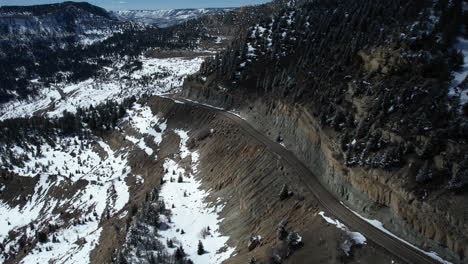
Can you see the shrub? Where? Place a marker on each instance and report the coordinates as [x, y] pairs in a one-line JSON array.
[[284, 193], [424, 174]]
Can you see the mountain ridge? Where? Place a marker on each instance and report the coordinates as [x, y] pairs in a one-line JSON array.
[[39, 10], [167, 17]]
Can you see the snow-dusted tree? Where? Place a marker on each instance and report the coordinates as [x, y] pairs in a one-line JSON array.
[[294, 240], [281, 230], [424, 174]]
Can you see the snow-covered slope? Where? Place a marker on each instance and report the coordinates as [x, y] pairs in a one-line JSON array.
[[94, 184], [198, 220], [167, 18], [156, 76]]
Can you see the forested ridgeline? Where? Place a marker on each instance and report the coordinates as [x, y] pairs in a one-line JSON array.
[[34, 131], [377, 73]]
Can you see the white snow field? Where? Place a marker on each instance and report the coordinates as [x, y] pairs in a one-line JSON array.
[[156, 77], [191, 212], [141, 119], [69, 161]]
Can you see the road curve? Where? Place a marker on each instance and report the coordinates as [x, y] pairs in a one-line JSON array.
[[398, 248]]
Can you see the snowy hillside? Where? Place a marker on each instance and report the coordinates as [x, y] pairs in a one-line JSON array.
[[155, 76], [198, 220], [81, 20], [99, 171], [74, 185], [167, 18], [178, 217]]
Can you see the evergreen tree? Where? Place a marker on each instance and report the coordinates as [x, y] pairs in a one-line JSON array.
[[42, 237], [170, 243], [179, 253], [284, 193], [201, 249], [180, 179]]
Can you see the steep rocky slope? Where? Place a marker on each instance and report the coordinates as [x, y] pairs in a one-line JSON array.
[[361, 92], [369, 95], [108, 196]]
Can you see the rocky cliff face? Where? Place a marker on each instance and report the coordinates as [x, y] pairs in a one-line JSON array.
[[365, 103], [430, 219]]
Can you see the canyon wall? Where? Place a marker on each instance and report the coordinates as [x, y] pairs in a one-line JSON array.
[[434, 223]]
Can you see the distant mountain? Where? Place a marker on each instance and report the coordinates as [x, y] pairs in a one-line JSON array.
[[68, 19], [167, 18]]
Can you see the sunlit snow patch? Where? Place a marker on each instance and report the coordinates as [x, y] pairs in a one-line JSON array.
[[146, 123], [356, 237], [190, 213]]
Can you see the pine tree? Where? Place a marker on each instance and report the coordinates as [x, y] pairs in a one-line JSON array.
[[284, 193], [170, 243], [42, 237], [179, 253], [201, 249]]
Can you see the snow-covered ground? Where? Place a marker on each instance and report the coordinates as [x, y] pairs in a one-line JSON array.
[[70, 160], [141, 119], [356, 237], [144, 121], [191, 213], [157, 76]]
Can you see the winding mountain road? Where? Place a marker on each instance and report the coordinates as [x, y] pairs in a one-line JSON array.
[[333, 206]]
